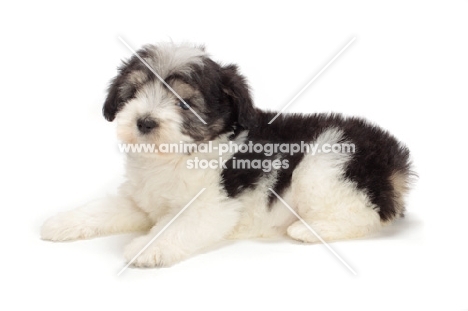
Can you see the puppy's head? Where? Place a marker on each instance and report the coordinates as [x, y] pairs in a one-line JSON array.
[[147, 111]]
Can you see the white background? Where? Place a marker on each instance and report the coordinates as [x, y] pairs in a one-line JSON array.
[[407, 71]]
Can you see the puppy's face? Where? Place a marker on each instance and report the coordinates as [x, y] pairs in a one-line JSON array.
[[148, 111]]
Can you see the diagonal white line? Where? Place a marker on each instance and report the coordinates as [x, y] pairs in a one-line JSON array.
[[313, 231], [313, 79], [161, 79], [160, 232]]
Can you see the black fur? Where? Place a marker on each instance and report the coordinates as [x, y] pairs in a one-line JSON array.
[[378, 155], [238, 95], [216, 105]]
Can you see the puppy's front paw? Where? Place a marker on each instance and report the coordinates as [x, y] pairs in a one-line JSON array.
[[157, 254], [65, 227]]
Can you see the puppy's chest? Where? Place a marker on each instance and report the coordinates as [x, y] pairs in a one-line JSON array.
[[157, 186]]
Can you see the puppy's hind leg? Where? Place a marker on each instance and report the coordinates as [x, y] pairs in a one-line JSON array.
[[330, 204], [101, 217], [350, 218], [334, 208]]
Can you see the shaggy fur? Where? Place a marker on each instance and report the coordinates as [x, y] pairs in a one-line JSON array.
[[341, 195]]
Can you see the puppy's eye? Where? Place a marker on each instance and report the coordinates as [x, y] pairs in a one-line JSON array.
[[182, 105]]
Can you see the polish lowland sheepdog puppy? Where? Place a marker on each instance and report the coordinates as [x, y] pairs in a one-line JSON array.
[[341, 194]]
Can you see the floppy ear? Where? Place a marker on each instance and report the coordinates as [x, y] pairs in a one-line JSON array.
[[237, 91], [113, 100], [123, 87]]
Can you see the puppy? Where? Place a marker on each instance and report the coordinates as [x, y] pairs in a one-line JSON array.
[[242, 193]]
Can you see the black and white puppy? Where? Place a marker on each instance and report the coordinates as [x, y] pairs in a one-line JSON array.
[[341, 195]]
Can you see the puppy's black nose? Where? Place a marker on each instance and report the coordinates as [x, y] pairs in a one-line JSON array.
[[146, 125]]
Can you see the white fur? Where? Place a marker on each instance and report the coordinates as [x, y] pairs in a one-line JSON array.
[[170, 57], [101, 217]]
